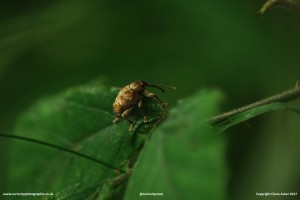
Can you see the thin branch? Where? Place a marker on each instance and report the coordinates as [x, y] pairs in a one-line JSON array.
[[281, 97], [290, 4]]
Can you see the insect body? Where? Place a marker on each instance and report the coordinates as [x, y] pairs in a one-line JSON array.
[[131, 96]]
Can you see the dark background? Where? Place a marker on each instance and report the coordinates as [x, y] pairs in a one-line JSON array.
[[48, 46]]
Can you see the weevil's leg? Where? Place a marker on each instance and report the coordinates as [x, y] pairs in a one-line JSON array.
[[116, 118], [151, 95], [125, 115], [140, 104]]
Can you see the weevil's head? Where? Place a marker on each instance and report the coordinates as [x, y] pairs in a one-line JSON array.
[[139, 86]]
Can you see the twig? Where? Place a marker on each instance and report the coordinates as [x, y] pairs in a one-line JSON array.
[[281, 97], [290, 4]]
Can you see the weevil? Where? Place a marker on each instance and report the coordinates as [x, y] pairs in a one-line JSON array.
[[131, 96]]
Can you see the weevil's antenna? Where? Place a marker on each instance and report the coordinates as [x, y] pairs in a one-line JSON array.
[[167, 86], [60, 148]]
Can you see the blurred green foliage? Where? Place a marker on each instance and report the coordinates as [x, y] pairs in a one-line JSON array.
[[50, 45]]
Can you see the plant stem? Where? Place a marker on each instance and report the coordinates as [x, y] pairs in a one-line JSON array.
[[290, 4], [120, 180], [281, 97]]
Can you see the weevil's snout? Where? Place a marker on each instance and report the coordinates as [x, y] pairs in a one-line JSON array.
[[156, 86]]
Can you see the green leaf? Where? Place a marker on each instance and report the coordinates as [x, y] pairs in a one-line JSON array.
[[184, 158], [79, 119], [242, 117]]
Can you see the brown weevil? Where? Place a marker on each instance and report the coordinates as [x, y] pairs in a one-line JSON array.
[[131, 96]]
